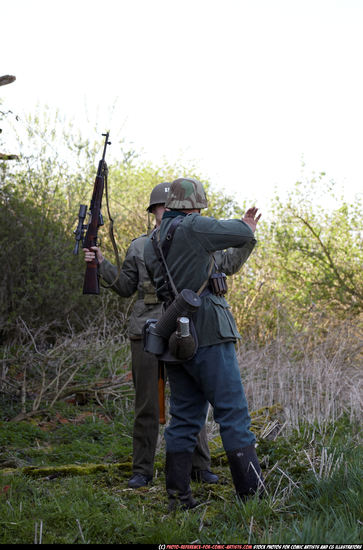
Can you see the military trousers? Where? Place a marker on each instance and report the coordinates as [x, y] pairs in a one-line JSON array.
[[212, 376], [146, 420]]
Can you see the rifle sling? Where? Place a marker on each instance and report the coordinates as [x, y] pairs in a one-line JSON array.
[[111, 234]]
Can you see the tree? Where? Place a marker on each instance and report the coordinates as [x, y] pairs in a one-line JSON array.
[[307, 264]]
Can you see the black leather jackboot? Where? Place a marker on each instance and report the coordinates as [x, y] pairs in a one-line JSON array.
[[178, 467], [246, 472]]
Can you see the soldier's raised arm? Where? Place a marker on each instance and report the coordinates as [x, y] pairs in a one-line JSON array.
[[231, 260]]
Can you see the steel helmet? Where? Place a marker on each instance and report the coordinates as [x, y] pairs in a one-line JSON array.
[[158, 194], [186, 194]]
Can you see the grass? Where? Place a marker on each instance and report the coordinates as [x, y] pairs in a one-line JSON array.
[[314, 495], [64, 469]]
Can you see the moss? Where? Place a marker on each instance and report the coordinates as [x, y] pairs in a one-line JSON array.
[[75, 469]]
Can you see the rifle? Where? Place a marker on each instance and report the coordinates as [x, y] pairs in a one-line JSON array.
[[91, 278]]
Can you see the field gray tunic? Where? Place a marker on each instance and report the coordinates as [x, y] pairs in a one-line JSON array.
[[134, 278], [196, 238]]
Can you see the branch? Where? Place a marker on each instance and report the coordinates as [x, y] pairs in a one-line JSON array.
[[3, 156], [330, 260], [7, 79]]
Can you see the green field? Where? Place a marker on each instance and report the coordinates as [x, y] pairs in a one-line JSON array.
[[64, 469]]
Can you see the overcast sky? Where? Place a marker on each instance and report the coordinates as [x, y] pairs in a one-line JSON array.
[[247, 88]]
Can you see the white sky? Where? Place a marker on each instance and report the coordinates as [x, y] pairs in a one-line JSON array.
[[247, 88]]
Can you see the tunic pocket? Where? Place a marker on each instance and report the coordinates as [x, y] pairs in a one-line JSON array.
[[140, 314], [226, 325]]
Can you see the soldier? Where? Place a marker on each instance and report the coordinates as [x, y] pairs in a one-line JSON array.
[[133, 277], [212, 375]]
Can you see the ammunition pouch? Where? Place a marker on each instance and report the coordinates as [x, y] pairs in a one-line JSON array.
[[173, 338], [148, 293], [218, 284]]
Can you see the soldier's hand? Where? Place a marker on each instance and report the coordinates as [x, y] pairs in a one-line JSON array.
[[251, 219], [90, 253]]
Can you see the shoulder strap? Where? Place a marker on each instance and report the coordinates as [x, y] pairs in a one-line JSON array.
[[170, 234], [162, 250], [155, 239], [200, 290]]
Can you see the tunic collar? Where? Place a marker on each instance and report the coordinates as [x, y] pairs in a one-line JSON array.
[[173, 214]]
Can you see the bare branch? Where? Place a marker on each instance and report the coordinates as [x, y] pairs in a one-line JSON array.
[[7, 79]]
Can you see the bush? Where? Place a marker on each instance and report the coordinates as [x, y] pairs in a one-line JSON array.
[[306, 268]]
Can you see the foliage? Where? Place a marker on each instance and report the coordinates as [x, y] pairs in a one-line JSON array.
[[33, 254], [40, 284], [320, 249], [306, 269]]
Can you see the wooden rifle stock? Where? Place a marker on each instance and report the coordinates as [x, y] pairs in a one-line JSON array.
[[161, 392], [91, 283]]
